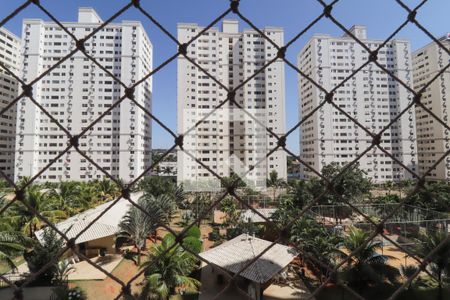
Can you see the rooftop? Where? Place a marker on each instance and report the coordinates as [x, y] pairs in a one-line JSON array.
[[235, 254], [106, 225]]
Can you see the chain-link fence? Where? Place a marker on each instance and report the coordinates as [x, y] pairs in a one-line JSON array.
[[230, 189]]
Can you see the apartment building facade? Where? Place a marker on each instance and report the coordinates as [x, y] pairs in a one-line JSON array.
[[433, 139], [10, 59], [77, 92], [229, 140], [371, 96]]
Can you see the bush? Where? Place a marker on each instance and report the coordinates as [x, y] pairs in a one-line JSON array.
[[42, 254], [64, 293], [214, 235]]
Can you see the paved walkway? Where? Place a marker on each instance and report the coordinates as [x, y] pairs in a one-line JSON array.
[[82, 270], [85, 271]]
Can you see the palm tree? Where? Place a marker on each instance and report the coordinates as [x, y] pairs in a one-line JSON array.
[[167, 170], [366, 266], [137, 225], [440, 261], [106, 189], [67, 197], [168, 267], [316, 240], [12, 244], [62, 271], [407, 271], [275, 182], [88, 197], [301, 195], [389, 185], [40, 203]]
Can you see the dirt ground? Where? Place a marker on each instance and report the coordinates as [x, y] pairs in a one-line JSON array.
[[108, 289], [401, 258]]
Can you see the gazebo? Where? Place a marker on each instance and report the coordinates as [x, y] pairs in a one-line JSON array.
[[237, 253]]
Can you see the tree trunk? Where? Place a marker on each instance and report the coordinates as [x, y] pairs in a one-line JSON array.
[[440, 285], [138, 255]]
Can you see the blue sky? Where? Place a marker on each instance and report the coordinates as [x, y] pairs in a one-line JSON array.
[[380, 16]]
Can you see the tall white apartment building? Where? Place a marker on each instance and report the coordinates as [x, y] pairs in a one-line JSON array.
[[371, 96], [77, 92], [433, 139], [10, 58], [230, 141]]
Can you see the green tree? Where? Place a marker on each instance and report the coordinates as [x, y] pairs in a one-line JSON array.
[[168, 267], [300, 192], [106, 189], [199, 204], [39, 202], [167, 170], [440, 261], [44, 251], [232, 214], [62, 271], [157, 185], [234, 179], [387, 199], [407, 272], [12, 244], [313, 239], [275, 182], [366, 266], [67, 197], [137, 225], [434, 196], [352, 185]]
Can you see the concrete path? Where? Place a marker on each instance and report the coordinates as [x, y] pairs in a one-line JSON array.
[[85, 271]]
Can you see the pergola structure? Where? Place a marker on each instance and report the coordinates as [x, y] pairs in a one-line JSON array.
[[234, 255]]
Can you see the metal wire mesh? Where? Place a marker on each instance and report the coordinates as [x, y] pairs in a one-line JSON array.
[[230, 188]]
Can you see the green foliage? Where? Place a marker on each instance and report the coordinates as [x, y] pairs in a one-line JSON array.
[[38, 201], [440, 261], [139, 223], [157, 186], [233, 180], [408, 271], [352, 184], [198, 205], [366, 267], [192, 240], [275, 182], [300, 192], [245, 227], [64, 293], [12, 244], [232, 215], [387, 199], [316, 243], [55, 201], [168, 267], [43, 253], [434, 196], [63, 268]]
